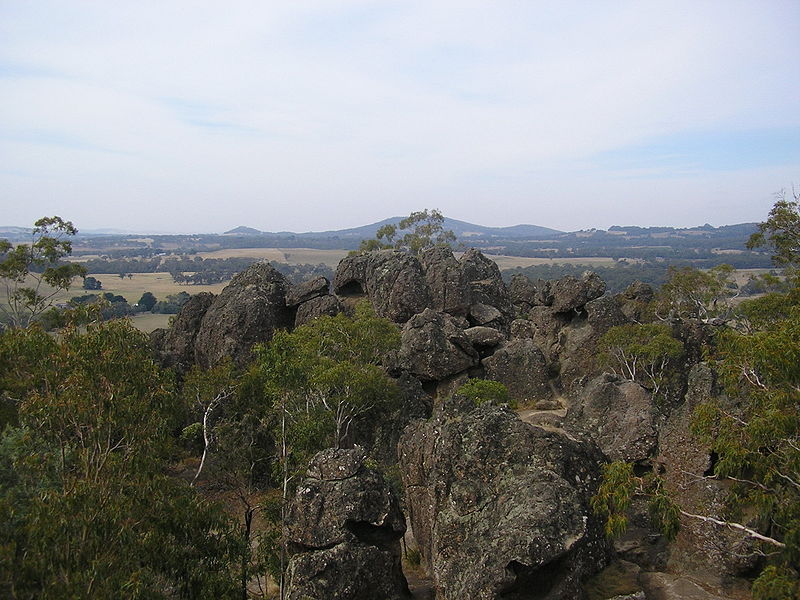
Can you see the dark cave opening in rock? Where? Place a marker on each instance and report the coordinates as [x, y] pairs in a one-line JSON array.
[[532, 583], [351, 289]]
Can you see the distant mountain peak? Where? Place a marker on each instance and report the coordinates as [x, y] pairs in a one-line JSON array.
[[242, 230]]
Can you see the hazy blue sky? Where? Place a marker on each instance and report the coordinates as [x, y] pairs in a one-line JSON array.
[[200, 116]]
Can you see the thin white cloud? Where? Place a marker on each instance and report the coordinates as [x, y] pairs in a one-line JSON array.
[[190, 116]]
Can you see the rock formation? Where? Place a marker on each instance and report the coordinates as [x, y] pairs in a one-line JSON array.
[[500, 508], [344, 529], [249, 310], [175, 346]]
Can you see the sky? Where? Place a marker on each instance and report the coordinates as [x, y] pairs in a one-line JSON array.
[[199, 116]]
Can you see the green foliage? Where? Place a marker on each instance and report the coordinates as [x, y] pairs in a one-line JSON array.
[[781, 231], [85, 508], [618, 487], [90, 283], [423, 229], [642, 353], [329, 368], [690, 293], [775, 583], [147, 301], [33, 273], [483, 391]]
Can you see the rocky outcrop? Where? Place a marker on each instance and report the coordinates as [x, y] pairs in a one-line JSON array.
[[619, 416], [392, 280], [500, 508], [434, 346], [175, 346], [521, 367], [449, 288], [249, 310], [686, 462], [578, 344], [381, 438], [344, 529], [317, 307], [487, 289], [570, 293], [303, 292]]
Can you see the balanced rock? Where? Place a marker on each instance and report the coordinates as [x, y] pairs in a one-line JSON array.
[[500, 508], [248, 311], [344, 529]]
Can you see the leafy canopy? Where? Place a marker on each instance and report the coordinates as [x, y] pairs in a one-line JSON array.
[[419, 231], [32, 274]]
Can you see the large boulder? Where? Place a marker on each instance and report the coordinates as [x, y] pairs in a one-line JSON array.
[[525, 293], [392, 280], [434, 346], [344, 530], [500, 508], [570, 293], [619, 416], [248, 311], [521, 367], [487, 288], [175, 346], [317, 307], [450, 291], [303, 292]]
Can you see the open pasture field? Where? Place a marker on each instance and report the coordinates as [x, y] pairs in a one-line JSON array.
[[159, 284], [292, 256], [512, 262]]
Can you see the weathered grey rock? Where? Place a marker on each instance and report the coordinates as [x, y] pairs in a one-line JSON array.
[[487, 286], [604, 313], [380, 436], [392, 280], [344, 528], [433, 346], [450, 291], [570, 293], [484, 336], [317, 307], [522, 329], [685, 460], [249, 310], [578, 349], [547, 324], [635, 300], [523, 293], [346, 572], [350, 278], [667, 586], [500, 508], [619, 416], [483, 314], [521, 367], [307, 290], [175, 348]]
